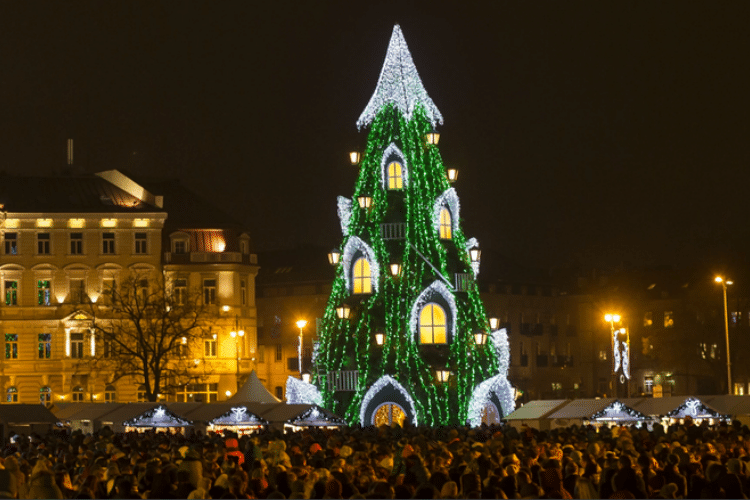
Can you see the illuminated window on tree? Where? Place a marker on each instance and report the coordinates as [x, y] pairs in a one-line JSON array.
[[389, 413], [395, 175], [446, 229], [432, 325], [362, 280]]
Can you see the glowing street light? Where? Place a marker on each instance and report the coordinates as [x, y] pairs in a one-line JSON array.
[[724, 282], [301, 324]]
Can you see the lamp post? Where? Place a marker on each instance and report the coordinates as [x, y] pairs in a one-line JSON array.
[[301, 324], [724, 282], [612, 318], [237, 334]]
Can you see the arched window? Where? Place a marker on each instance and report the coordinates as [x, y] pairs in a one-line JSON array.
[[446, 227], [110, 394], [78, 394], [12, 395], [361, 277], [395, 175], [432, 324], [45, 395], [389, 413]]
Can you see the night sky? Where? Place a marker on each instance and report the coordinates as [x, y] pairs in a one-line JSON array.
[[586, 133]]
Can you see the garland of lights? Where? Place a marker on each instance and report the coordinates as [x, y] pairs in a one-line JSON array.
[[355, 247], [238, 415], [618, 411], [501, 349], [448, 199], [399, 84], [498, 385], [300, 392], [427, 296], [315, 417], [381, 384], [345, 213], [695, 408], [157, 417], [391, 151]]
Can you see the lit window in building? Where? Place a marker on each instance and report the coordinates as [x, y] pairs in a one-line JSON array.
[[141, 394], [110, 395], [735, 317], [108, 243], [76, 345], [739, 389], [209, 348], [11, 346], [648, 384], [45, 395], [179, 288], [11, 244], [243, 292], [668, 319], [42, 244], [45, 345], [362, 281], [648, 318], [602, 355], [77, 291], [11, 292], [395, 175], [43, 293], [12, 395], [78, 394], [180, 246], [209, 291], [446, 229], [279, 352], [432, 325], [76, 243], [279, 392], [141, 246]]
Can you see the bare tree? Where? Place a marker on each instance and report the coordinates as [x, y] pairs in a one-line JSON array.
[[144, 331]]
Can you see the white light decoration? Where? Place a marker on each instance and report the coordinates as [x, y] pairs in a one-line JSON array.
[[157, 417], [448, 199], [238, 415], [616, 351], [315, 417], [399, 84], [499, 339], [391, 151], [67, 342], [626, 360], [427, 296], [617, 412], [93, 343], [300, 392], [482, 394], [694, 408], [378, 386], [471, 243], [345, 213], [355, 247]]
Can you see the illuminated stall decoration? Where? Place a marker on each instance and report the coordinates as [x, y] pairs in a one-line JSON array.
[[393, 178], [156, 418], [697, 410], [616, 412], [386, 390], [493, 397], [315, 416], [345, 213], [301, 392], [473, 243], [446, 201], [355, 250], [438, 293], [238, 419]]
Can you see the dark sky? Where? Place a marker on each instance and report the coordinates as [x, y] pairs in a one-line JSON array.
[[586, 133]]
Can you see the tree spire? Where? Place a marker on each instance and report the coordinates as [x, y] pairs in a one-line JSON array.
[[399, 84]]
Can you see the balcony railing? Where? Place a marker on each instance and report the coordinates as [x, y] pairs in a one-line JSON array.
[[344, 380], [210, 257], [393, 230]]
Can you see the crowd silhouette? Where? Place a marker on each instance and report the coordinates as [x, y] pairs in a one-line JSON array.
[[684, 460]]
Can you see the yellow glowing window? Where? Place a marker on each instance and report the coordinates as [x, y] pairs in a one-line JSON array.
[[432, 325], [395, 175], [361, 276], [446, 229], [389, 413]]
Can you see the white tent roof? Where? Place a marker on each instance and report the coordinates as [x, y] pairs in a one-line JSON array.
[[536, 409], [253, 391]]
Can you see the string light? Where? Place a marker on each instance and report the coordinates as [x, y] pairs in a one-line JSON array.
[[157, 417], [300, 392], [345, 213]]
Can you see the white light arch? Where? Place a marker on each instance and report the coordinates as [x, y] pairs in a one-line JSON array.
[[378, 386], [482, 394], [436, 289], [355, 247]]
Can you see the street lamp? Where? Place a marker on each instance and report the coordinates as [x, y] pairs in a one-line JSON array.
[[724, 283], [237, 334], [612, 318], [301, 323]]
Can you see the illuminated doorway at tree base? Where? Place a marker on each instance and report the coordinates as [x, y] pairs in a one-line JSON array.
[[389, 413]]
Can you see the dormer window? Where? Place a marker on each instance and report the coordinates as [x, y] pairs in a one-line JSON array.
[[180, 246], [395, 175], [446, 224], [432, 324], [361, 277], [180, 242]]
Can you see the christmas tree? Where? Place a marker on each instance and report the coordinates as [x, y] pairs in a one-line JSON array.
[[405, 335]]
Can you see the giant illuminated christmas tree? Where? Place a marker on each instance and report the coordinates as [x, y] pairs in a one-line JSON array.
[[405, 334]]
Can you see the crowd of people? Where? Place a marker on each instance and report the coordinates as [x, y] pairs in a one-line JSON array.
[[683, 461]]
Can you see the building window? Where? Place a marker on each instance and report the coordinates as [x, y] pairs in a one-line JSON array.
[[143, 290], [668, 319], [43, 293], [648, 318], [45, 345], [446, 229], [739, 389], [76, 243], [278, 352], [524, 357], [108, 288], [603, 355], [45, 395], [109, 348], [42, 243], [279, 392], [108, 243], [11, 346], [648, 384], [243, 292], [12, 395], [110, 395], [432, 325], [735, 317], [141, 246], [141, 394], [180, 246], [76, 345], [209, 291], [362, 281], [395, 175], [77, 394], [180, 291], [11, 244], [209, 348], [261, 354], [77, 291], [204, 393], [11, 293]]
